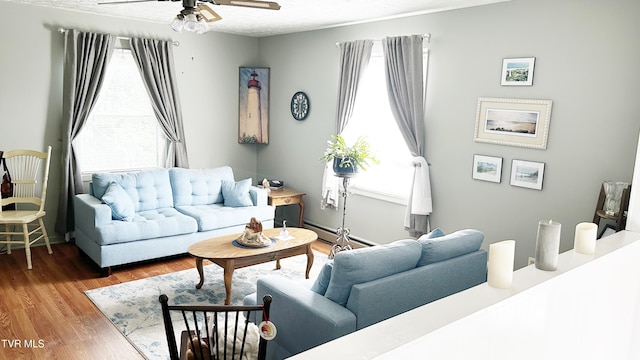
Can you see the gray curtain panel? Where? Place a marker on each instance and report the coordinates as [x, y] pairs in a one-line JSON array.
[[354, 59], [155, 61], [86, 56], [404, 72]]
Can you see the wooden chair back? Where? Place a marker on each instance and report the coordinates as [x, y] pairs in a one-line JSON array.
[[225, 329], [29, 171], [620, 217]]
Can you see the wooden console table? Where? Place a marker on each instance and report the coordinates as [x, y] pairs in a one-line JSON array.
[[287, 196]]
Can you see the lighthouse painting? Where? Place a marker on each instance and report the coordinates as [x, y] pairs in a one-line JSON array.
[[253, 113]]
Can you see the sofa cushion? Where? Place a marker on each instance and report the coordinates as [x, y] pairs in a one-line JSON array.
[[122, 207], [148, 189], [218, 216], [435, 233], [370, 263], [198, 186], [448, 246], [148, 224], [236, 194], [322, 281]]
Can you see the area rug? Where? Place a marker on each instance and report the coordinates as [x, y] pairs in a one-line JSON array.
[[134, 309]]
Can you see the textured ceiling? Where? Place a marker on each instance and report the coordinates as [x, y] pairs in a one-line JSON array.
[[294, 15]]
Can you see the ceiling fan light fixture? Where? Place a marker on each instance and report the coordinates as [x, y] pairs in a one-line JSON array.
[[178, 23], [189, 20], [195, 16], [202, 26]]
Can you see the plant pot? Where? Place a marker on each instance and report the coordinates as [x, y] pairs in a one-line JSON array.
[[348, 168]]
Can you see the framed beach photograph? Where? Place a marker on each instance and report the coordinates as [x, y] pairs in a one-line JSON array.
[[528, 174], [487, 168], [513, 122], [517, 71], [253, 112]]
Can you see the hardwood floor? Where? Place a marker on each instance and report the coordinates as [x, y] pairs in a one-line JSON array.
[[44, 313]]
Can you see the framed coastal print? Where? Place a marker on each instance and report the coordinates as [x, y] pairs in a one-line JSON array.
[[513, 122], [253, 112], [528, 174], [517, 71], [487, 168]]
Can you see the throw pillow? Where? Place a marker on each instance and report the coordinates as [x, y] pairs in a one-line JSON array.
[[448, 246], [322, 282], [436, 233], [236, 194], [122, 208], [366, 264]]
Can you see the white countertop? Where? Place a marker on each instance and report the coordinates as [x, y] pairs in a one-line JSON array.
[[427, 329]]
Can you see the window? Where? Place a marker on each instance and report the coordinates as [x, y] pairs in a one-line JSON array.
[[122, 132], [372, 118]]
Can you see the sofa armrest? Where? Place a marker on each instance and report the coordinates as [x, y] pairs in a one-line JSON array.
[[370, 301], [304, 318], [90, 213], [259, 196]]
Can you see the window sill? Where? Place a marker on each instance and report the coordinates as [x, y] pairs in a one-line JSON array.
[[378, 195]]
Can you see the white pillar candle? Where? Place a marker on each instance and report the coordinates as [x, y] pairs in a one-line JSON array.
[[548, 245], [585, 239], [501, 256]]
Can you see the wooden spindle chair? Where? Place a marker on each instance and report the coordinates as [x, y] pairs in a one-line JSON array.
[[29, 171], [226, 329]]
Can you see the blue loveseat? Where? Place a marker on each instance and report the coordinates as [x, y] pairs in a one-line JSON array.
[[364, 286], [154, 213]]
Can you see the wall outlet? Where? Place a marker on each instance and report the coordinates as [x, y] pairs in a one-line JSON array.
[[531, 261]]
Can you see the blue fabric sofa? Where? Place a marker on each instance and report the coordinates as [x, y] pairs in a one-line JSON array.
[[361, 287], [154, 213]]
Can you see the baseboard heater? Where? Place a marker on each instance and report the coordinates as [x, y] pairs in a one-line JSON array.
[[330, 235]]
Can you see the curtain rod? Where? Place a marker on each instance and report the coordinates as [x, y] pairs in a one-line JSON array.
[[63, 30], [426, 37]]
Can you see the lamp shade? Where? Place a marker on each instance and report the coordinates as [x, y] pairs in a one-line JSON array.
[[191, 22], [178, 23]]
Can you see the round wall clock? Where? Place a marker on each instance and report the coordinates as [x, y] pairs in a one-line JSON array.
[[300, 106]]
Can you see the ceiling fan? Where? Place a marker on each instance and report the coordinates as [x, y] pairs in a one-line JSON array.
[[197, 13]]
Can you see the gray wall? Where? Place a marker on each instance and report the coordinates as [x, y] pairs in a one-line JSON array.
[[587, 54], [586, 62]]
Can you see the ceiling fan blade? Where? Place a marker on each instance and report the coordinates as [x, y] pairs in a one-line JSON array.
[[249, 3], [120, 2], [207, 13]]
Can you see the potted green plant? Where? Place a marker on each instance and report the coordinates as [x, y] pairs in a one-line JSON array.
[[348, 160]]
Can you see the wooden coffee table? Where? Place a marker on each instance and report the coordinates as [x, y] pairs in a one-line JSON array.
[[223, 252]]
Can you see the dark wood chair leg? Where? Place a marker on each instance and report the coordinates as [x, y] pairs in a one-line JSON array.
[[105, 272], [599, 205]]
